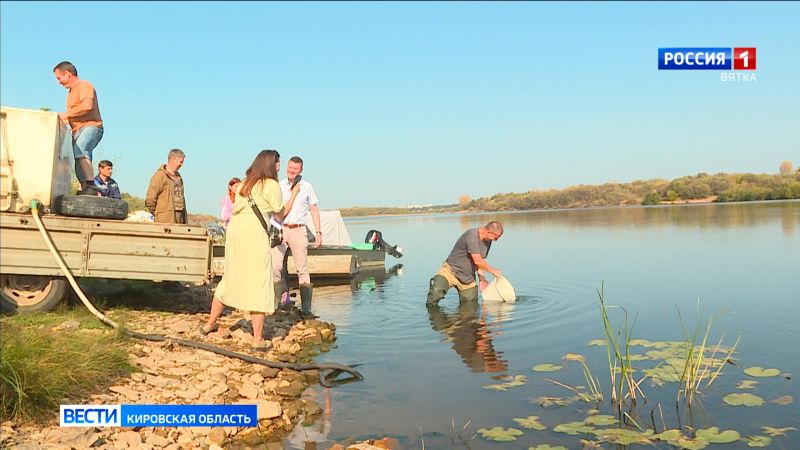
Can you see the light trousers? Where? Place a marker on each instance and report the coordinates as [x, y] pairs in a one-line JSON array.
[[296, 240]]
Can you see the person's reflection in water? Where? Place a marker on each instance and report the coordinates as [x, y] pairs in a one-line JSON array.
[[305, 436], [468, 331]]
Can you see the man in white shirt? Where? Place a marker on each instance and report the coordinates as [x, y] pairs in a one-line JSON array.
[[295, 234]]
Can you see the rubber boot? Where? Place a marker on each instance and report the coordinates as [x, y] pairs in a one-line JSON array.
[[88, 188], [280, 292], [438, 289], [305, 301], [468, 295]]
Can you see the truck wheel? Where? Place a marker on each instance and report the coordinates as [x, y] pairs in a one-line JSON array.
[[31, 293], [92, 206]]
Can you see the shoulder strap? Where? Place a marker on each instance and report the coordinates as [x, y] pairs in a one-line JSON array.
[[267, 226]]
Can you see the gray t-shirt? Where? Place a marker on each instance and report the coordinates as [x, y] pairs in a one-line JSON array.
[[459, 259]]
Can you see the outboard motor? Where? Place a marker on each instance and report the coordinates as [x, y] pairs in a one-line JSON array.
[[375, 238]]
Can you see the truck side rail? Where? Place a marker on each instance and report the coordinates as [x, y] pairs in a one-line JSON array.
[[106, 248]]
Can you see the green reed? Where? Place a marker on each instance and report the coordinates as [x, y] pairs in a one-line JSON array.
[[697, 367], [618, 353]]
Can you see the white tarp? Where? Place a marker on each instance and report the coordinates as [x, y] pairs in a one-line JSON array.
[[334, 231]]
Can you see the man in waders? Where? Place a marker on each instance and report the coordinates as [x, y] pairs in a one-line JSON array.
[[467, 257]]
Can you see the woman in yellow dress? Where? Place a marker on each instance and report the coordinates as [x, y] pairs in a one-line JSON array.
[[247, 282]]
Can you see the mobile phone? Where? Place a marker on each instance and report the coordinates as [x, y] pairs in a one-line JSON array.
[[296, 180]]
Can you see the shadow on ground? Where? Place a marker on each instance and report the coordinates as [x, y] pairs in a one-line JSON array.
[[145, 295]]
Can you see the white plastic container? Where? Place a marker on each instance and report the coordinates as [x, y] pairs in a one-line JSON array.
[[499, 290], [36, 159]]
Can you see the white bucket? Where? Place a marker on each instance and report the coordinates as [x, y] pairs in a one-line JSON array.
[[499, 290]]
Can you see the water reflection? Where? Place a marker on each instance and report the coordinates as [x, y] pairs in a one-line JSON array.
[[789, 219], [742, 265], [366, 279], [334, 298], [311, 431], [470, 332], [704, 215]]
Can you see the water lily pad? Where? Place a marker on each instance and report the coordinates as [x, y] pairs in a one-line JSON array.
[[714, 436], [574, 357], [663, 374], [531, 422], [757, 371], [758, 441], [598, 342], [662, 354], [778, 431], [669, 435], [624, 436], [783, 400], [516, 381], [500, 434], [747, 384], [601, 419], [546, 402], [546, 368], [587, 444], [744, 399], [573, 428], [640, 342], [690, 443], [670, 344], [547, 447], [676, 439]]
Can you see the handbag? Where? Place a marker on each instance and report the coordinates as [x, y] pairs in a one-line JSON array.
[[274, 234]]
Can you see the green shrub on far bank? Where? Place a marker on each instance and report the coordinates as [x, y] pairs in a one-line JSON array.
[[134, 203], [44, 364], [651, 199]]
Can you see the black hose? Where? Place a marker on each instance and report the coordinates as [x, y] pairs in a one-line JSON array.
[[334, 367], [325, 381]]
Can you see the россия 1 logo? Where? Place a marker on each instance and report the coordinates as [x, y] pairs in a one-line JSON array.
[[711, 58]]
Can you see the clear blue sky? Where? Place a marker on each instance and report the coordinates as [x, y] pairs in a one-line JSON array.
[[394, 104]]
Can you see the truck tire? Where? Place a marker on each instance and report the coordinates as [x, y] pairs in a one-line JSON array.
[[92, 206], [31, 293]]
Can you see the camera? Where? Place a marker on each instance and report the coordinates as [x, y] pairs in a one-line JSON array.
[[275, 237]]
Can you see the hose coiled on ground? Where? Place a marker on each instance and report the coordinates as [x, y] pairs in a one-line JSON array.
[[333, 367]]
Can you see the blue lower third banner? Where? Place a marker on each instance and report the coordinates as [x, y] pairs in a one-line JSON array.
[[159, 415]]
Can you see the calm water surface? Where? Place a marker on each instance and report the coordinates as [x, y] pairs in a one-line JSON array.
[[426, 369]]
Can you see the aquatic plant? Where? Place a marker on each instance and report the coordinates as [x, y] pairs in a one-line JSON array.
[[693, 363], [761, 372], [617, 351], [591, 380], [500, 434], [530, 422], [696, 367]]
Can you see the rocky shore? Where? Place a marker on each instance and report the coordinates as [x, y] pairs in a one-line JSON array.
[[168, 373]]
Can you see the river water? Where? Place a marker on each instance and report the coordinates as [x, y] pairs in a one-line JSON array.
[[425, 369]]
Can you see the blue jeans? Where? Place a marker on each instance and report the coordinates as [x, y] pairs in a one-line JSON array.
[[85, 140]]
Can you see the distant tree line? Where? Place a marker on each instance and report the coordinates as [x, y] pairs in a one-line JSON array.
[[719, 188], [359, 211], [722, 187]]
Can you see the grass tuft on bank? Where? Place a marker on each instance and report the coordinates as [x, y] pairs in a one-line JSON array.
[[50, 359]]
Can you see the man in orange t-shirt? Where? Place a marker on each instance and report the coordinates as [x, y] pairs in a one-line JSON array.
[[83, 116]]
